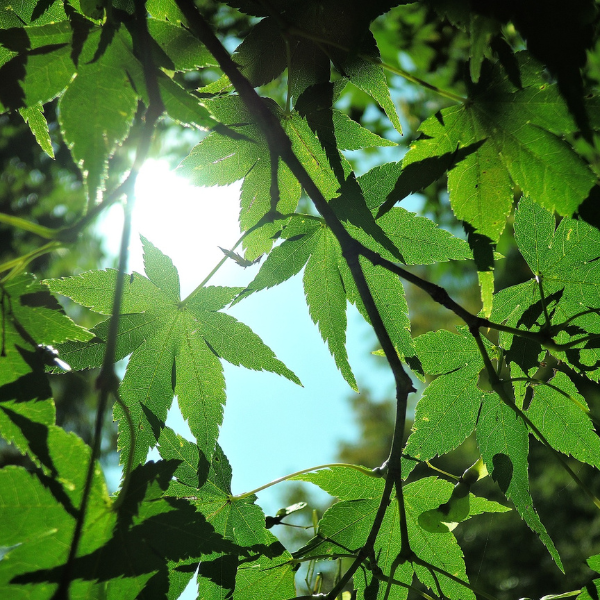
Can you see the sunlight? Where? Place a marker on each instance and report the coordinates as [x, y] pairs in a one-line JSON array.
[[185, 222]]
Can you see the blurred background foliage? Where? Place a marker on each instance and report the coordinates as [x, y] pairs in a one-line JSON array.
[[431, 40]]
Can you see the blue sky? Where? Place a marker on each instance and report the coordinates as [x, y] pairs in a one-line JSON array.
[[272, 427]]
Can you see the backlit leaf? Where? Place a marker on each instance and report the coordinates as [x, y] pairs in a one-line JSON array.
[[326, 299], [518, 126], [98, 107], [238, 520], [175, 349], [560, 413], [503, 440]]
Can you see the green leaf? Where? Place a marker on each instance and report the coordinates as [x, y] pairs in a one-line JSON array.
[[25, 423], [486, 287], [39, 519], [181, 49], [594, 562], [437, 549], [310, 242], [262, 54], [388, 293], [164, 9], [351, 209], [39, 66], [447, 412], [238, 344], [15, 15], [420, 241], [182, 106], [504, 444], [239, 521], [479, 185], [94, 289], [343, 529], [569, 260], [335, 129], [301, 236], [328, 171], [32, 319], [445, 415], [350, 135], [326, 299], [519, 306], [160, 270], [223, 159], [175, 349], [590, 591], [443, 352], [34, 117], [561, 415], [344, 482], [481, 30], [154, 535], [122, 554], [98, 107], [387, 184], [459, 507], [521, 127], [564, 261], [346, 525], [534, 233], [367, 75]]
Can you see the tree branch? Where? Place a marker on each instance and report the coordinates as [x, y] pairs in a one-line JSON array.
[[279, 144]]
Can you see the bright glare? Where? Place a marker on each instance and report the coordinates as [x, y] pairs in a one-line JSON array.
[[186, 223]]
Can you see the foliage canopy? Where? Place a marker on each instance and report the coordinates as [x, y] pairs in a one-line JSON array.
[[507, 119]]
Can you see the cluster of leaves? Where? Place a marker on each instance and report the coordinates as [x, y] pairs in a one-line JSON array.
[[524, 130]]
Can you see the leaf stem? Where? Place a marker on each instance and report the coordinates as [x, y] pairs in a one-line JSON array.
[[313, 557], [40, 230], [440, 295], [216, 268], [378, 574], [573, 343], [434, 468], [268, 218], [16, 265], [576, 402], [363, 470]]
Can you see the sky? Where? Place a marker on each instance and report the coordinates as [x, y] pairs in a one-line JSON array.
[[272, 427]]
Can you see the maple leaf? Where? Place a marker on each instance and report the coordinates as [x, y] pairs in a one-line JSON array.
[[175, 348]]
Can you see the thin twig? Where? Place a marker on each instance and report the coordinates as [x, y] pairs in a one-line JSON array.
[[107, 381], [440, 295]]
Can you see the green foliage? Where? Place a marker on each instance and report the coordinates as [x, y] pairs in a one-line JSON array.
[[516, 134], [174, 347]]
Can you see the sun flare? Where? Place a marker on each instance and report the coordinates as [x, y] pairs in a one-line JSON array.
[[187, 223]]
